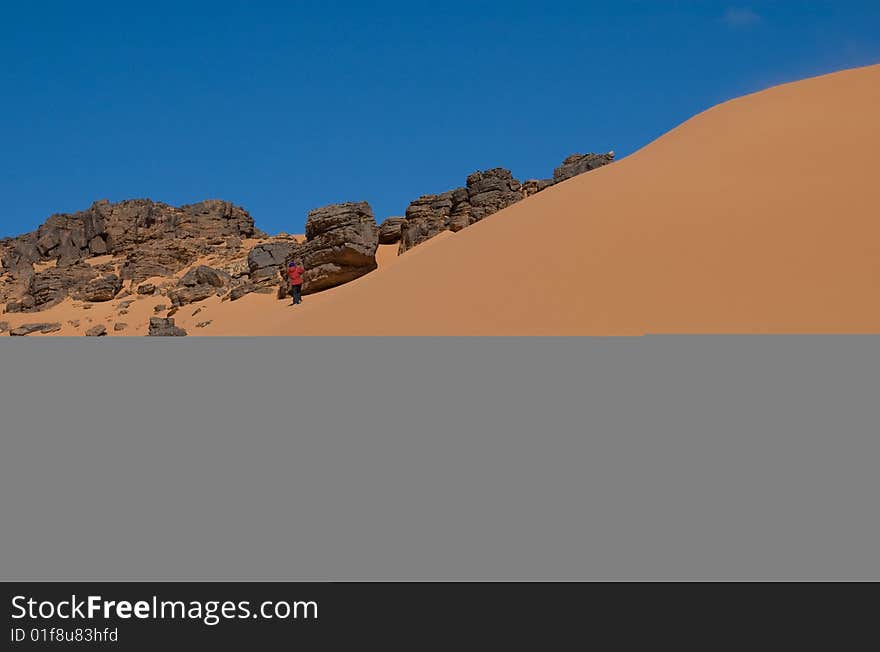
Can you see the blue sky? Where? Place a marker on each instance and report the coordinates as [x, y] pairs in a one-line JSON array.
[[286, 106]]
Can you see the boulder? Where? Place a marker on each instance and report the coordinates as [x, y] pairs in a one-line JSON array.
[[491, 191], [204, 275], [30, 329], [389, 231], [101, 290], [341, 244], [266, 260], [186, 295], [160, 327], [146, 289], [97, 331]]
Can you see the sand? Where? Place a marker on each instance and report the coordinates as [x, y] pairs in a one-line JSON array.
[[761, 215]]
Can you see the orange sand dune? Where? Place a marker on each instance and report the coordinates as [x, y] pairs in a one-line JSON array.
[[761, 215]]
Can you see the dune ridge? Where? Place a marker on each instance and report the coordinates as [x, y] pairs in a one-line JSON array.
[[760, 215]]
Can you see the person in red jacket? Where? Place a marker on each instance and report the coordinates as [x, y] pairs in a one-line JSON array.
[[295, 270]]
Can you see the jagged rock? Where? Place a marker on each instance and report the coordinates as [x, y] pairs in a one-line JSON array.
[[204, 275], [30, 329], [389, 231], [160, 308], [146, 289], [486, 193], [120, 327], [341, 243], [491, 191], [14, 307], [52, 285], [97, 331], [196, 312], [160, 327], [124, 305], [186, 295], [239, 291], [577, 164], [204, 324], [265, 260], [534, 186], [101, 289], [74, 323]]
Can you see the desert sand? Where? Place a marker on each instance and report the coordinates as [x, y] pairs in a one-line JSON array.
[[760, 215]]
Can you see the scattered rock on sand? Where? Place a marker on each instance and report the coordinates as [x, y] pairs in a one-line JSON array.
[[164, 327], [204, 324], [197, 311], [29, 329], [4, 326], [160, 308], [146, 289], [97, 331], [120, 327]]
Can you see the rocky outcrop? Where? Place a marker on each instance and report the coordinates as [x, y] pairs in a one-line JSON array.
[[485, 194], [578, 164], [51, 286], [341, 244], [148, 238], [389, 231], [160, 327]]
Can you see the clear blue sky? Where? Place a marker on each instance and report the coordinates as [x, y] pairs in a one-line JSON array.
[[289, 105]]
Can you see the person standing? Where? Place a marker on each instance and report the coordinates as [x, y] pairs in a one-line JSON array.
[[295, 272]]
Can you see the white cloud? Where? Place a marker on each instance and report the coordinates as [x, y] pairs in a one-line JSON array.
[[741, 17]]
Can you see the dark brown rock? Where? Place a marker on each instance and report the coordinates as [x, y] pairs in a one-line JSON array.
[[30, 329], [266, 260], [389, 231], [183, 296], [101, 290], [578, 164], [120, 327], [146, 289], [97, 331], [160, 327], [341, 243]]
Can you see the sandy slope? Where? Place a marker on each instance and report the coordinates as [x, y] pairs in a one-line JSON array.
[[761, 215]]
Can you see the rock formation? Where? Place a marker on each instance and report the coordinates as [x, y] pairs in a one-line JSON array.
[[341, 244], [160, 327], [146, 238], [578, 164], [485, 194], [389, 231]]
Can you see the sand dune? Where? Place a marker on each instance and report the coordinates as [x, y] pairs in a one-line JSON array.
[[761, 215]]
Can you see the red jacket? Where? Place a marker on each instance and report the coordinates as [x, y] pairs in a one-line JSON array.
[[295, 275]]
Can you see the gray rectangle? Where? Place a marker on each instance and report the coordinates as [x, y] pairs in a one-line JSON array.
[[440, 459]]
